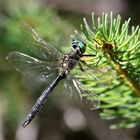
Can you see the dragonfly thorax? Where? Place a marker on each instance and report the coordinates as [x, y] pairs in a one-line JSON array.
[[68, 62]]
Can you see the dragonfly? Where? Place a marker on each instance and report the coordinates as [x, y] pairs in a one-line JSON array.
[[50, 66]]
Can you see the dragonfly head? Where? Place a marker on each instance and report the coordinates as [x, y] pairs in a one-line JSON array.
[[79, 46]]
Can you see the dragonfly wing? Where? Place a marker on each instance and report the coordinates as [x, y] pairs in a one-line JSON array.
[[40, 48], [77, 90], [32, 67], [89, 99], [92, 72]]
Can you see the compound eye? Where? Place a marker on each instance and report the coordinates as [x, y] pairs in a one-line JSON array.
[[74, 46], [84, 43]]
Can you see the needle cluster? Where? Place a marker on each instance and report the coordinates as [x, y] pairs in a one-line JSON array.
[[115, 74]]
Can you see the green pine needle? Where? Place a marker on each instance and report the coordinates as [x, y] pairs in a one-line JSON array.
[[115, 68]]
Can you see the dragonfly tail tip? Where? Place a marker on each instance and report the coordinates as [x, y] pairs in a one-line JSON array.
[[25, 123]]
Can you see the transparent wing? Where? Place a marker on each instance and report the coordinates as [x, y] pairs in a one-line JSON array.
[[32, 67], [77, 90], [40, 49], [93, 72], [89, 99]]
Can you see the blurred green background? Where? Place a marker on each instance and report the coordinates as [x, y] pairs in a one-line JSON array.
[[55, 20]]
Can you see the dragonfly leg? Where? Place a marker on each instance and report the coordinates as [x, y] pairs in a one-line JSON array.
[[84, 63], [81, 68], [89, 55]]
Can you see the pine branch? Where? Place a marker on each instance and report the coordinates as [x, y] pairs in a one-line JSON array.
[[117, 49]]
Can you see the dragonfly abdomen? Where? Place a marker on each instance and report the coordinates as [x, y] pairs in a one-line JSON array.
[[41, 100]]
